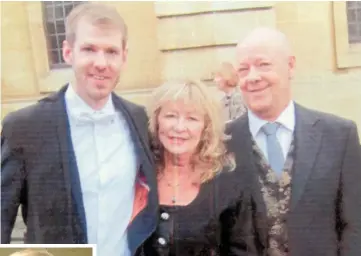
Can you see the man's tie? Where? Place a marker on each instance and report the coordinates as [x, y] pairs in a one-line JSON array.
[[274, 150]]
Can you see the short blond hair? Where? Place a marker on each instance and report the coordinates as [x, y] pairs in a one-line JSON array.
[[32, 252], [228, 73], [96, 14], [211, 156]]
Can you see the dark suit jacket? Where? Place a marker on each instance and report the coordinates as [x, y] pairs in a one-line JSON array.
[[325, 209], [39, 172]]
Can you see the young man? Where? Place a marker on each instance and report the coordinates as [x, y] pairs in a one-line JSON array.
[[73, 160]]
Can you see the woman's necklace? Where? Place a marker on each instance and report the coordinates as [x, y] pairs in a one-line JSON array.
[[172, 180], [172, 177], [175, 192], [174, 185]]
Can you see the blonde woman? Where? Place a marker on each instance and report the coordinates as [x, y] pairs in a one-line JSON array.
[[204, 202], [227, 80]]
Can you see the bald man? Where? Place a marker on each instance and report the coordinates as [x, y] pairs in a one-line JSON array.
[[307, 164]]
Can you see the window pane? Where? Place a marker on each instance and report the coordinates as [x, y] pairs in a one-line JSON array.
[[49, 15], [358, 15], [61, 38], [54, 57], [77, 3], [59, 12], [351, 15], [354, 21], [61, 56], [57, 3], [53, 42], [47, 4], [350, 4], [50, 28], [68, 8], [352, 29], [60, 26], [358, 34]]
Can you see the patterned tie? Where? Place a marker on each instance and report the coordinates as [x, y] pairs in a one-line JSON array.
[[274, 150]]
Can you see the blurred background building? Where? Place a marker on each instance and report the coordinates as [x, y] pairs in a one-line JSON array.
[[188, 39]]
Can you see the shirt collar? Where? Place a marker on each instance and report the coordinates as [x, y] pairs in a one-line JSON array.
[[76, 106], [286, 118]]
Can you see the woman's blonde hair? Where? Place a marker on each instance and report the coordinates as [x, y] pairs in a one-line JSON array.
[[211, 155], [32, 252], [228, 73]]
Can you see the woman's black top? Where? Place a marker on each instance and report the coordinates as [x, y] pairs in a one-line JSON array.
[[217, 222]]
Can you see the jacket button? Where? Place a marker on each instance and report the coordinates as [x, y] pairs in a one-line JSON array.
[[162, 241], [164, 216]]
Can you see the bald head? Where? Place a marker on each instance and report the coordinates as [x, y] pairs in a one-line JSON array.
[[265, 67], [267, 37]]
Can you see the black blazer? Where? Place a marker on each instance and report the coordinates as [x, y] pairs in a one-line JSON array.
[[325, 209], [217, 222], [39, 172]]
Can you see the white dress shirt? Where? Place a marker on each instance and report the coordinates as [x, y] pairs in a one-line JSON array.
[[107, 166], [284, 133]]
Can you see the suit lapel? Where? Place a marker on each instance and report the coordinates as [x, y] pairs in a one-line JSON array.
[[61, 128], [241, 144], [69, 166], [308, 136], [137, 130], [144, 223]]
